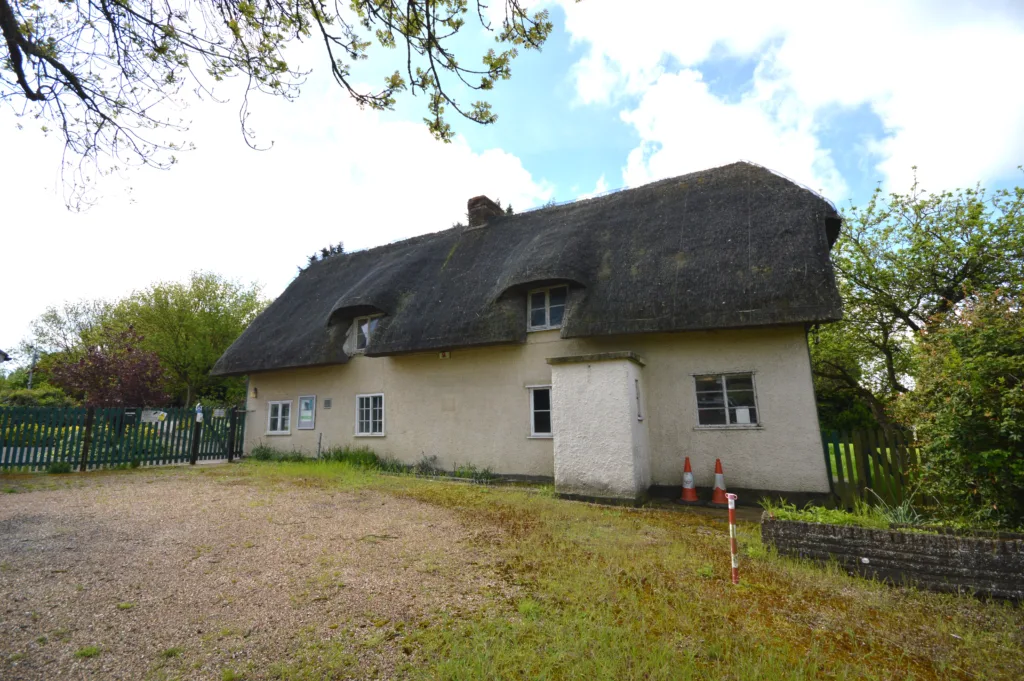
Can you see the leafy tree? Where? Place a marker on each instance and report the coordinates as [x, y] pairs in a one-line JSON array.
[[100, 70], [969, 405], [114, 372], [903, 262], [188, 326], [62, 329]]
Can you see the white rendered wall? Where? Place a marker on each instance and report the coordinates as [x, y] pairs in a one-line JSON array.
[[599, 449], [474, 406]]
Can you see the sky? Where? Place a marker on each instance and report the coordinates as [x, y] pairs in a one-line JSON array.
[[841, 97]]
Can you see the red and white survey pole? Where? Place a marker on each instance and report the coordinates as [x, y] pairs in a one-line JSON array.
[[732, 538]]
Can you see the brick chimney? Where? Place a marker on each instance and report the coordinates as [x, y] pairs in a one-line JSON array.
[[481, 209]]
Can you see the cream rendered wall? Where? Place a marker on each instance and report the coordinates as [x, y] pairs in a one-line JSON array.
[[474, 407], [599, 448], [639, 437]]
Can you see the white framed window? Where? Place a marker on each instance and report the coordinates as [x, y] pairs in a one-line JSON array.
[[546, 308], [307, 412], [279, 417], [726, 400], [364, 327], [540, 411], [370, 415]]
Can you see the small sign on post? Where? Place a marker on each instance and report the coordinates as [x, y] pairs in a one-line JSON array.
[[152, 416], [199, 412], [219, 413]]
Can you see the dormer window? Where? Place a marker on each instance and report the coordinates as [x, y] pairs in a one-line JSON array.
[[365, 326], [547, 308]]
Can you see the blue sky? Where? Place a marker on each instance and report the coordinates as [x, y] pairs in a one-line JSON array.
[[840, 97]]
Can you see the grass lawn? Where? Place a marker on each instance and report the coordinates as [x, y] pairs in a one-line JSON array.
[[612, 593], [592, 592]]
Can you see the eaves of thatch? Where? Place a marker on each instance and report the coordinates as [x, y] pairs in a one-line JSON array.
[[736, 246]]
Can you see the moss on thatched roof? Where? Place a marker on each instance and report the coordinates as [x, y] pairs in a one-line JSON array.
[[736, 246]]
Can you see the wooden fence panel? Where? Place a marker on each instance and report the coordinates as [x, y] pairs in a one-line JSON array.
[[874, 460], [34, 438]]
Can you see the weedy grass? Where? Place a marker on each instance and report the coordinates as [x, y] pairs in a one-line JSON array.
[[88, 651], [616, 593]]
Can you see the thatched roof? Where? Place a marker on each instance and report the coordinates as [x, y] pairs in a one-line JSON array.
[[736, 246]]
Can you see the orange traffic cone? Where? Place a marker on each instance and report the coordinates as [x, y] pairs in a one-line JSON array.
[[689, 491], [718, 494]]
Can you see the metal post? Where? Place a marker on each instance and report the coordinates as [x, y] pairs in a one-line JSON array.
[[197, 434], [232, 426], [90, 416], [734, 548]]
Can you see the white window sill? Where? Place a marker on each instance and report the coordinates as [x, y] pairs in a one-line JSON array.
[[305, 428], [540, 437], [370, 434], [531, 329], [279, 432], [730, 427]]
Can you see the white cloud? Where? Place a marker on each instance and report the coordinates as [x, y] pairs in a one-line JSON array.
[[705, 132], [939, 75], [599, 188], [334, 174]]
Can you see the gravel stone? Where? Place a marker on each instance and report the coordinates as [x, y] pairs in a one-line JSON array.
[[234, 571]]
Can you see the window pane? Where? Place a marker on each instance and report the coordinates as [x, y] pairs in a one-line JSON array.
[[274, 410], [286, 412], [542, 422], [361, 336], [708, 383], [711, 417], [557, 312], [537, 318], [742, 416], [710, 400], [537, 301], [558, 295], [273, 424], [371, 326], [542, 399], [739, 382], [741, 398]]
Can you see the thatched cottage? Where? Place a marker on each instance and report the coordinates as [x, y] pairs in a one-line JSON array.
[[596, 343]]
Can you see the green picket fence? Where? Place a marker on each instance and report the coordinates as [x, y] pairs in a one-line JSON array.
[[35, 438], [876, 460]]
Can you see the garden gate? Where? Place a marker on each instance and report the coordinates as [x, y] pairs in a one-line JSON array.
[[83, 438]]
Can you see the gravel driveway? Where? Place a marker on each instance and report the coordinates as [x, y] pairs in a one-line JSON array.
[[214, 574]]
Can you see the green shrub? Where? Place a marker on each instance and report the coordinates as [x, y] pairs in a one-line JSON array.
[[262, 452], [390, 464], [427, 465], [59, 467], [43, 396], [471, 472], [862, 515], [361, 457], [969, 404]]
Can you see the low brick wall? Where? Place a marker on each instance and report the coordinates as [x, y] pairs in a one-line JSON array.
[[984, 566]]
